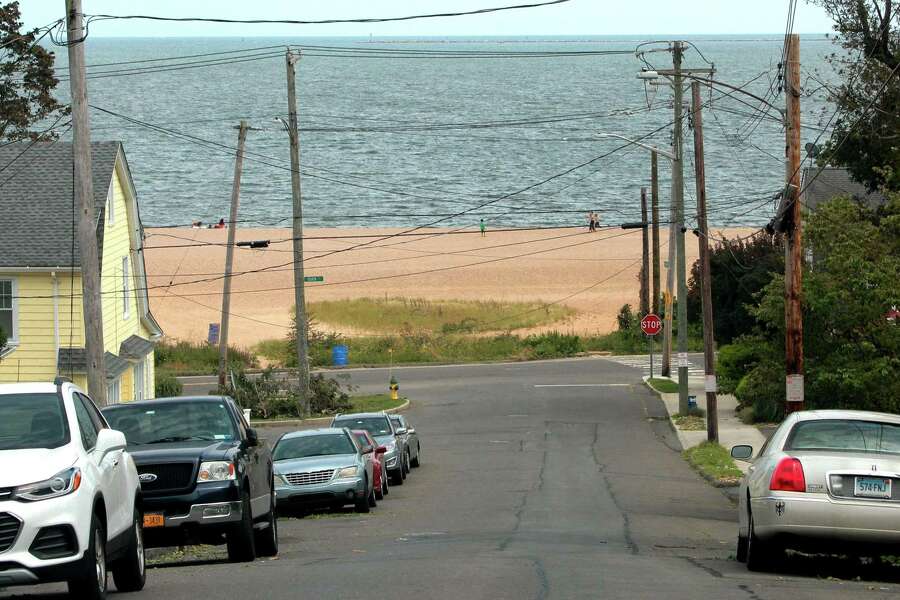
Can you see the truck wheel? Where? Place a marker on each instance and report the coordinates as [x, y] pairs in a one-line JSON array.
[[130, 571], [267, 539], [90, 584], [241, 542]]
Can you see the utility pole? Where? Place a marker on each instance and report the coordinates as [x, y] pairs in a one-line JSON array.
[[654, 201], [678, 181], [709, 355], [299, 292], [84, 199], [670, 285], [229, 253], [645, 256], [793, 259]]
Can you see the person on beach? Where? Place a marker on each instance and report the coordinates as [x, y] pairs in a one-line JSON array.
[[481, 226], [596, 220], [220, 224], [592, 223]]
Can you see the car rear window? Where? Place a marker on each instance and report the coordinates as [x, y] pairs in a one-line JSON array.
[[845, 435], [30, 421], [312, 445], [156, 423], [374, 425]]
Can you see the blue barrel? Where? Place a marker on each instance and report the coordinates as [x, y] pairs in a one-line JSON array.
[[339, 356]]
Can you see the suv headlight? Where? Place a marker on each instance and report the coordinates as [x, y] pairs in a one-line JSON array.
[[348, 472], [64, 482], [217, 470]]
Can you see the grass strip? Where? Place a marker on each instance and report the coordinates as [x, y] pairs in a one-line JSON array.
[[375, 402], [663, 386], [715, 464]]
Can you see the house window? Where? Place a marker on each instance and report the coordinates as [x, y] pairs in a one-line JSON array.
[[139, 380], [111, 205], [126, 288], [112, 392], [8, 310]]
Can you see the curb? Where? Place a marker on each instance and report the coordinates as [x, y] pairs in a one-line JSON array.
[[315, 421]]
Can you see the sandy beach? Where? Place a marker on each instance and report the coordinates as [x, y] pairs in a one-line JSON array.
[[593, 273]]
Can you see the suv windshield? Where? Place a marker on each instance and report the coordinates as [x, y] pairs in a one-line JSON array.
[[32, 421], [313, 445], [374, 425], [845, 436], [172, 422]]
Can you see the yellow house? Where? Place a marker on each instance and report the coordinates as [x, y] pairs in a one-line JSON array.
[[40, 270]]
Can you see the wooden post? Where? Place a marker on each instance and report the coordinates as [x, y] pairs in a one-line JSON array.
[[645, 256], [84, 200], [793, 263], [655, 305], [229, 254], [678, 179], [299, 291], [670, 284], [709, 355]]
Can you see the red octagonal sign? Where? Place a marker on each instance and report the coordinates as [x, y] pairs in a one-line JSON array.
[[651, 324]]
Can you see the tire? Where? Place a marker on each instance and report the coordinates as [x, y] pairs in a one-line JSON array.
[[760, 555], [91, 583], [373, 500], [385, 484], [361, 505], [267, 539], [404, 465], [741, 554], [379, 489], [241, 540], [130, 571], [414, 463], [397, 477]]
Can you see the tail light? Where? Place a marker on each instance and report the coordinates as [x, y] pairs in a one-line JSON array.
[[788, 476]]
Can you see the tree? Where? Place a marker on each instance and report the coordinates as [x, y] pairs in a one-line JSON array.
[[26, 80], [739, 270], [866, 141]]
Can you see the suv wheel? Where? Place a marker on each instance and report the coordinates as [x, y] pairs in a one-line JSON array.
[[404, 464], [130, 571], [414, 463], [241, 542], [397, 477], [90, 584], [267, 539]]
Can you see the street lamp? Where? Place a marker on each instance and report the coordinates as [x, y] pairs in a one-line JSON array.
[[667, 154]]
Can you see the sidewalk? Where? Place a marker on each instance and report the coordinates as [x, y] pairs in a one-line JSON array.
[[731, 430]]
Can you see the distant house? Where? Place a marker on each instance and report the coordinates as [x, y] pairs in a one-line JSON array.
[[821, 184], [40, 270]]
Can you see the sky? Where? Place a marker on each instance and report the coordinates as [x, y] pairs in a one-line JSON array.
[[577, 17]]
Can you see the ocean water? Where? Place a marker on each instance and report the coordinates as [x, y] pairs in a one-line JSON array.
[[371, 153]]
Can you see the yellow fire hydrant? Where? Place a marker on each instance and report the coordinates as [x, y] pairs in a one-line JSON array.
[[395, 389]]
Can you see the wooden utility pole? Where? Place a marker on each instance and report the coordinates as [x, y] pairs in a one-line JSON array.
[[84, 199], [793, 259], [645, 256], [709, 355], [655, 305], [299, 292], [229, 253], [678, 179], [670, 285]]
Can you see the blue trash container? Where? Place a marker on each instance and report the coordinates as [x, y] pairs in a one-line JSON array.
[[339, 356]]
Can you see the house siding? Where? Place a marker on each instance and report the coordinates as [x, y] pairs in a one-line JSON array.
[[34, 358]]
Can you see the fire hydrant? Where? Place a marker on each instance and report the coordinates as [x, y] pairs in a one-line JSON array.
[[395, 389]]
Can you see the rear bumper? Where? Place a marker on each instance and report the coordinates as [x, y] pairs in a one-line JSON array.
[[804, 517]]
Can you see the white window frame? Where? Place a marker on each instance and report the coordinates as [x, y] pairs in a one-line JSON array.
[[139, 380], [111, 203], [12, 337], [112, 392], [126, 287]]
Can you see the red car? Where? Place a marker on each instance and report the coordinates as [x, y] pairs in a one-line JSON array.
[[375, 453]]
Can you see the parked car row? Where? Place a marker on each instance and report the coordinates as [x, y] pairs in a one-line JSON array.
[[353, 462]]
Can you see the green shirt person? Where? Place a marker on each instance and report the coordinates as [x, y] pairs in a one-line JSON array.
[[481, 226]]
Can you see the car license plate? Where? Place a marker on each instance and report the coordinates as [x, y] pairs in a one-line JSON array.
[[872, 487], [154, 520]]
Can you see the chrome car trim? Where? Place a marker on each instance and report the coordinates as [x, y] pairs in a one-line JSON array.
[[195, 515], [309, 477]]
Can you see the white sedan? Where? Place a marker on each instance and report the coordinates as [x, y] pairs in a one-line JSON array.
[[827, 480]]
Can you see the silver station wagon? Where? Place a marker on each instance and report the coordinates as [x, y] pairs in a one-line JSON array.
[[827, 480]]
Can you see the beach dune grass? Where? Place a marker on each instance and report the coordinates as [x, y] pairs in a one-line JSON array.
[[400, 315]]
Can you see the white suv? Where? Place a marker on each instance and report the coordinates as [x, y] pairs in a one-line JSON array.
[[69, 493]]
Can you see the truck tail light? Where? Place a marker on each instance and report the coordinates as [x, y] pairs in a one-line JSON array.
[[788, 476]]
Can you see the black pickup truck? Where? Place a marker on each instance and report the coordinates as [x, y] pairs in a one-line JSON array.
[[205, 475]]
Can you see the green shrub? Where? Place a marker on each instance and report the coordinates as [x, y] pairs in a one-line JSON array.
[[553, 345], [626, 318], [275, 395], [763, 389], [736, 360], [167, 385], [190, 358]]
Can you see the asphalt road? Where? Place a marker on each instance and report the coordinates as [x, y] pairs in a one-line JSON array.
[[544, 480]]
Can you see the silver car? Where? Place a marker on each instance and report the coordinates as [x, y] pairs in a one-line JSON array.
[[382, 429], [827, 479], [323, 467], [410, 438]]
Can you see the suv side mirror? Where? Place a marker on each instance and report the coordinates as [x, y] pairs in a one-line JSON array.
[[742, 452], [252, 437], [109, 440], [380, 450], [411, 430], [401, 431]]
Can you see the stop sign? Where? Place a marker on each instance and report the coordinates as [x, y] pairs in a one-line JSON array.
[[651, 324]]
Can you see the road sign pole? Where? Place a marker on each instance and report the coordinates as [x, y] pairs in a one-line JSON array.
[[650, 337]]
